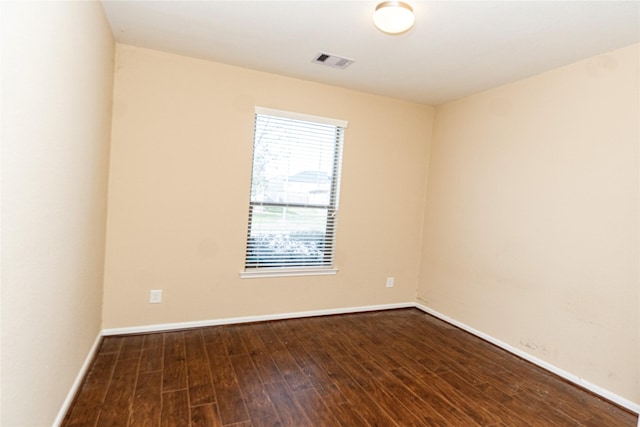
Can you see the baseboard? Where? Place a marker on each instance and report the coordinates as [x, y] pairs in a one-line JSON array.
[[619, 400], [78, 382], [249, 319]]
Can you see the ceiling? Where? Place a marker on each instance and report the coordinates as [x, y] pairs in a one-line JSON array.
[[455, 49]]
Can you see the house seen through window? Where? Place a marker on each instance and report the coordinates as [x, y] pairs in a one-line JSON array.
[[294, 192]]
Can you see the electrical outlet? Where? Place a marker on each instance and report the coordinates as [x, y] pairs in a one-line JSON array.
[[155, 296], [390, 282]]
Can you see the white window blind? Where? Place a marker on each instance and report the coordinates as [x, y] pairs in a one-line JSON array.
[[294, 191]]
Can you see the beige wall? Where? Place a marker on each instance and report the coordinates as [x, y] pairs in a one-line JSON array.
[[179, 192], [56, 106], [531, 225]]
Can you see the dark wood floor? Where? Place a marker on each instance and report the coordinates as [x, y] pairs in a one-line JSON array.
[[391, 368]]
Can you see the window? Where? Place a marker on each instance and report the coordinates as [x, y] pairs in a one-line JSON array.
[[294, 194]]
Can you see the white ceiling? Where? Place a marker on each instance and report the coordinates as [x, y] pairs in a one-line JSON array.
[[455, 49]]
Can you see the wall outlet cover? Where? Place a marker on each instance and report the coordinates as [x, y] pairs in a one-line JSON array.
[[155, 296]]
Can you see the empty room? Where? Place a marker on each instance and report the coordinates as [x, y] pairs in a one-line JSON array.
[[320, 213]]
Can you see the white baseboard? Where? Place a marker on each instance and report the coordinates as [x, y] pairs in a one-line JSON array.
[[248, 319], [78, 382], [545, 365]]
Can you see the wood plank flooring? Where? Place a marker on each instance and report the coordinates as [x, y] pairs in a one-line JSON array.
[[390, 368]]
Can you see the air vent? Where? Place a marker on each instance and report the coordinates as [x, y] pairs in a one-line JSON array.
[[332, 60]]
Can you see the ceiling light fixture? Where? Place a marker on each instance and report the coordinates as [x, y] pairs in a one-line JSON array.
[[393, 17]]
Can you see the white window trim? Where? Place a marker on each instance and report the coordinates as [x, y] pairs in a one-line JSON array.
[[289, 271], [286, 272], [304, 117]]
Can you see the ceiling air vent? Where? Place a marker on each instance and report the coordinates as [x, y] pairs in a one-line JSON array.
[[332, 60]]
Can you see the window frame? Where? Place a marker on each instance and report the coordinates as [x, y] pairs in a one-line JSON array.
[[331, 206]]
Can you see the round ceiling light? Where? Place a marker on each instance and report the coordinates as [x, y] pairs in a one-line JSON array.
[[393, 17]]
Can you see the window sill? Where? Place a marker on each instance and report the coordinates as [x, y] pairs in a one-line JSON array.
[[283, 272]]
